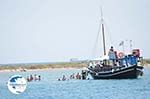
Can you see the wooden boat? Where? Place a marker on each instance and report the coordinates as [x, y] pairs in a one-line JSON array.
[[128, 70], [117, 73]]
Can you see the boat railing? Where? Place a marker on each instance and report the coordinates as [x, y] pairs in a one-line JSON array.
[[113, 65], [105, 68], [125, 61], [140, 61]]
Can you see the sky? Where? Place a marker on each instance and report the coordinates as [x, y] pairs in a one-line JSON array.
[[57, 30]]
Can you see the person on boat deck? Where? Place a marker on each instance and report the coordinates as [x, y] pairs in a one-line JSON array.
[[90, 64], [112, 55], [132, 60]]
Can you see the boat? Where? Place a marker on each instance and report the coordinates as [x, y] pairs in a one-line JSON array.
[[130, 72], [125, 66]]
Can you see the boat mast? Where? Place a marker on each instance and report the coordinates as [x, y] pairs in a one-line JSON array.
[[103, 34]]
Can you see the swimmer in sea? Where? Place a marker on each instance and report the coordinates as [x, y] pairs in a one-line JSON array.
[[64, 78]]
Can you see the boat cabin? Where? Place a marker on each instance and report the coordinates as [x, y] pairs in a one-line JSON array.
[[121, 61]]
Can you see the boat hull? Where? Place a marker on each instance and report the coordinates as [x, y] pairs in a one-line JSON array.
[[124, 73]]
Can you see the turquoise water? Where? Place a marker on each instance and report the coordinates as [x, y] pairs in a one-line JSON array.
[[50, 88]]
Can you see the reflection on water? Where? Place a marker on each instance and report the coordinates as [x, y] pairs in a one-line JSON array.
[[50, 88]]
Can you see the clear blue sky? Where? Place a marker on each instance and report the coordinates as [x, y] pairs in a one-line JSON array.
[[57, 30]]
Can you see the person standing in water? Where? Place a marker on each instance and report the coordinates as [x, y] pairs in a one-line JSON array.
[[64, 78], [78, 76], [39, 77]]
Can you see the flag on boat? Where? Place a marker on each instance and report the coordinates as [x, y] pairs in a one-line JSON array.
[[122, 43]]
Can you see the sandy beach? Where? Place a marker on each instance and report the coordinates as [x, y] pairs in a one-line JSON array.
[[44, 69], [51, 69]]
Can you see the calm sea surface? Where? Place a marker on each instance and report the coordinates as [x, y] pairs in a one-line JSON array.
[[50, 88]]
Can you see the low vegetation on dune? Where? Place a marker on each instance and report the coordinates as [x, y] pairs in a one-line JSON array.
[[146, 62], [44, 66]]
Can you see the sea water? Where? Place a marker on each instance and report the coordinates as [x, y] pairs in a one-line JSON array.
[[50, 88]]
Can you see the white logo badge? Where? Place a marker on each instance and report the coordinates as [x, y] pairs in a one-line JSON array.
[[17, 84]]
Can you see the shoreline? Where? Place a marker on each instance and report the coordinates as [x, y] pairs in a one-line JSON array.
[[37, 67], [47, 69], [43, 69]]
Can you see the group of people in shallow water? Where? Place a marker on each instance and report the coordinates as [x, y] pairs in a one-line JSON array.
[[34, 77], [72, 76]]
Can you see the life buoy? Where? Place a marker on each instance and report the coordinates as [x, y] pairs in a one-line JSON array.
[[120, 55]]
